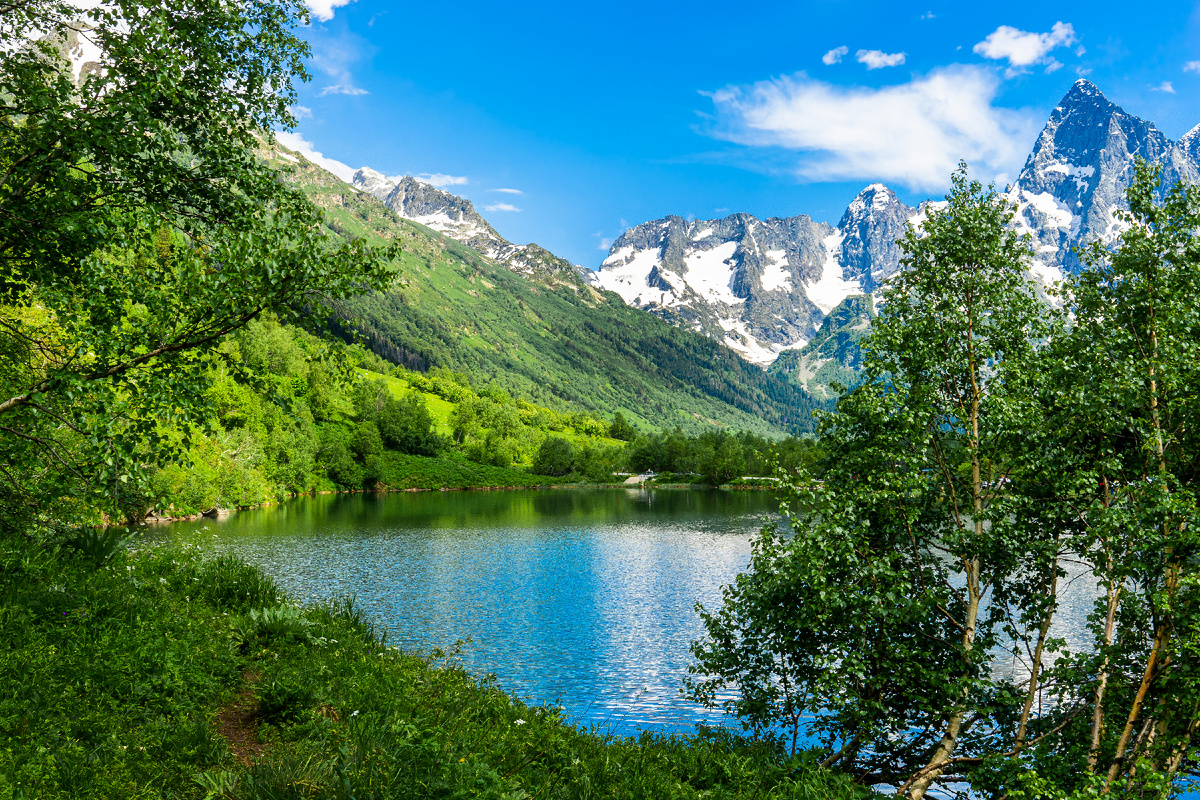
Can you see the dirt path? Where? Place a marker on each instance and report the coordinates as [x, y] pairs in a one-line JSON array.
[[237, 723]]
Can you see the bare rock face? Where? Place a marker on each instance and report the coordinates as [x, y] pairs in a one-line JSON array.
[[870, 228], [763, 287], [1078, 172], [767, 287]]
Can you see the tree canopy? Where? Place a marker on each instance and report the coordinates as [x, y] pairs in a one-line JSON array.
[[138, 225], [1000, 456]]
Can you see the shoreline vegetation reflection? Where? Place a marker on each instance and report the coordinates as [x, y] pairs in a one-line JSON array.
[[583, 597]]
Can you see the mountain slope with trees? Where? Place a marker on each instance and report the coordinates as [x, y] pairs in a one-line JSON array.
[[545, 336]]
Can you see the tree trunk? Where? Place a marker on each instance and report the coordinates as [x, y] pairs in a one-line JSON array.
[[973, 568], [1114, 598], [1036, 667]]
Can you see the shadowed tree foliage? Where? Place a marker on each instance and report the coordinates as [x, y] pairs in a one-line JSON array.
[[138, 227], [997, 453]]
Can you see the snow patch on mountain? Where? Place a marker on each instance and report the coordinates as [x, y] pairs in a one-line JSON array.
[[711, 273], [775, 275], [832, 287], [630, 270]]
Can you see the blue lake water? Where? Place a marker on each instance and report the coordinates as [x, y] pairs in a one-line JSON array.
[[579, 597]]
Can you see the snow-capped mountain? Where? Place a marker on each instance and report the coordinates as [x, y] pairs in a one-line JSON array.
[[762, 286], [1077, 174], [457, 218], [766, 287]]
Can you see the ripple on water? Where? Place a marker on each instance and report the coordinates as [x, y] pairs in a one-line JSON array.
[[579, 597]]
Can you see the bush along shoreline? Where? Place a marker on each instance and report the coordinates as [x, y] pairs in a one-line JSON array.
[[156, 673], [286, 414]]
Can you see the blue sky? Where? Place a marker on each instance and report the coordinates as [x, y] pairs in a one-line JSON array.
[[565, 123]]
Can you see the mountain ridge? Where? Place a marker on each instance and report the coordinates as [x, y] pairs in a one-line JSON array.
[[1065, 196], [549, 338], [768, 287], [456, 217]]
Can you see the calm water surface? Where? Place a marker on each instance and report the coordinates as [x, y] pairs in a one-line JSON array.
[[583, 597]]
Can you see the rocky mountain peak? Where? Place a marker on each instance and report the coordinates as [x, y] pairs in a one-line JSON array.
[[1189, 145], [1083, 91], [873, 222], [1077, 174], [457, 218], [436, 208], [876, 197], [373, 183]]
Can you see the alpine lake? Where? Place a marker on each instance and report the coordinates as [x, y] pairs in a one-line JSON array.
[[583, 598]]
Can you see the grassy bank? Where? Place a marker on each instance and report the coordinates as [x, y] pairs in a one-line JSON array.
[[160, 674]]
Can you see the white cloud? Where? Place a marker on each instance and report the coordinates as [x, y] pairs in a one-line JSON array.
[[339, 88], [1192, 66], [509, 191], [913, 134], [501, 207], [323, 9], [604, 241], [301, 112], [334, 57], [929, 15], [295, 141], [834, 56], [438, 179], [876, 59], [1165, 86], [1024, 48]]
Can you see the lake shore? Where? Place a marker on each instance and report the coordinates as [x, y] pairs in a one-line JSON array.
[[209, 682]]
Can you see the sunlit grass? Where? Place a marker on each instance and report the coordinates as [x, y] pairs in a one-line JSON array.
[[113, 677]]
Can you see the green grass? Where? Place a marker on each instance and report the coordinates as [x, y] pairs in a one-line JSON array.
[[439, 409], [113, 677]]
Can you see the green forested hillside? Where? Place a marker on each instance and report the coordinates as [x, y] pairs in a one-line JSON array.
[[832, 359], [550, 338]]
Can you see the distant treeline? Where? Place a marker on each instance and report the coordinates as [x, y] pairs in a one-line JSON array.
[[292, 413], [595, 356]]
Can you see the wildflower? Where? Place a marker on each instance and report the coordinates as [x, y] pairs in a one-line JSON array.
[[354, 713], [518, 722]]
